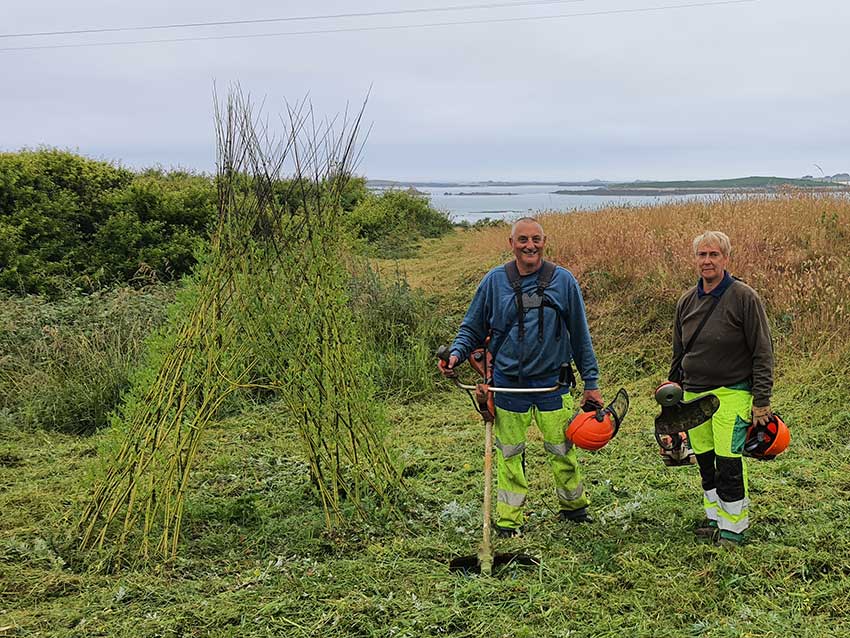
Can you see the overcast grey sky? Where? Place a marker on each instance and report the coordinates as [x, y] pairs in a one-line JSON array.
[[757, 88]]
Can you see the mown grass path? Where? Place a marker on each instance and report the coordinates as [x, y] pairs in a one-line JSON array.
[[255, 560]]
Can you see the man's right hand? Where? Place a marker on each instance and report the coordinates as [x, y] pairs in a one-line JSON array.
[[448, 369], [761, 415], [592, 398]]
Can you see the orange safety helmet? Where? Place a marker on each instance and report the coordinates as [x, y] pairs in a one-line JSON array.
[[592, 428], [766, 441]]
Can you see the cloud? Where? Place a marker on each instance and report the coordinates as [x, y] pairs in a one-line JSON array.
[[700, 92]]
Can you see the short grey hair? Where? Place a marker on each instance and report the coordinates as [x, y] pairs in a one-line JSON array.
[[525, 219], [714, 237]]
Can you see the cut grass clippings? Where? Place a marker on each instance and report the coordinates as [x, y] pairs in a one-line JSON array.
[[255, 559]]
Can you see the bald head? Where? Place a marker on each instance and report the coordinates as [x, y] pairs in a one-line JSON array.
[[527, 223], [527, 242]]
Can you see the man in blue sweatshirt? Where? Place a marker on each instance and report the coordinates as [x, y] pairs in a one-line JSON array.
[[534, 326]]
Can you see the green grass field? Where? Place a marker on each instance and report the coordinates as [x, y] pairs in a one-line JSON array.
[[256, 560]]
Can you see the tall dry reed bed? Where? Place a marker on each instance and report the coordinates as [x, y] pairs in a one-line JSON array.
[[791, 248]]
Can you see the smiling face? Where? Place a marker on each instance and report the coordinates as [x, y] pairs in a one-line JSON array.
[[527, 241], [711, 264]]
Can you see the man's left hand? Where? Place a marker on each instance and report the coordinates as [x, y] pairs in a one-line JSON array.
[[592, 395], [761, 415]]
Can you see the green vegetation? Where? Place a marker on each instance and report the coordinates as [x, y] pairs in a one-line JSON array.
[[256, 559], [65, 362], [391, 224], [68, 222], [72, 222], [403, 327]]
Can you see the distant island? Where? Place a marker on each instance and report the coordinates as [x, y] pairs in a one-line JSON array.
[[378, 184], [744, 185], [840, 182], [478, 193]]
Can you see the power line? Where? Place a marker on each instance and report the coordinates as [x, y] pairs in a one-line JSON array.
[[366, 14], [382, 28]]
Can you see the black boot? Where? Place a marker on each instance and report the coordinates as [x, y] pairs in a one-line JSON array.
[[507, 532], [580, 515]]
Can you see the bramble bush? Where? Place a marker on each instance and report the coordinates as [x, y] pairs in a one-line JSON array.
[[389, 224], [160, 220], [67, 221]]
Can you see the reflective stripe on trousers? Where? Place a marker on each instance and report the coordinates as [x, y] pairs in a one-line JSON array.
[[509, 450], [510, 430], [717, 444]]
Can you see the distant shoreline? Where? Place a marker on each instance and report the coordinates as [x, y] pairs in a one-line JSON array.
[[752, 185], [657, 192], [477, 194]]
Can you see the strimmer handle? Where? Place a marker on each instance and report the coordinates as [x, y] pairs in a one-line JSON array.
[[564, 375], [444, 353]]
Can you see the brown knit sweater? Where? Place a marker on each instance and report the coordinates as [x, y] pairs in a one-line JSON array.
[[733, 347]]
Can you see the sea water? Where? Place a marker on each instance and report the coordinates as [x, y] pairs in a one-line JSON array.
[[510, 202]]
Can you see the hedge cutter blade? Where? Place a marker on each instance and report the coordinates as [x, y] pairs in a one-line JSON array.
[[685, 415]]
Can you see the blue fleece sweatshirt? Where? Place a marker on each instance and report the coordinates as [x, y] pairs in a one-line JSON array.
[[530, 362]]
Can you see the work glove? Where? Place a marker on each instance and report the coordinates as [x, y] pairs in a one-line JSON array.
[[448, 369], [762, 414], [592, 398]]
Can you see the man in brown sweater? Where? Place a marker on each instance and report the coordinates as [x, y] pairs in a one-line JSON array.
[[732, 358]]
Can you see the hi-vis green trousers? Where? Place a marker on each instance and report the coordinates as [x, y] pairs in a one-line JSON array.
[[717, 444], [510, 431]]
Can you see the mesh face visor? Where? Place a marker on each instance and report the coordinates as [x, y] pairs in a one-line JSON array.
[[618, 408], [758, 441]]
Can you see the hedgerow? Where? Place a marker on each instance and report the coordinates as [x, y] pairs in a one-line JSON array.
[[68, 222]]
